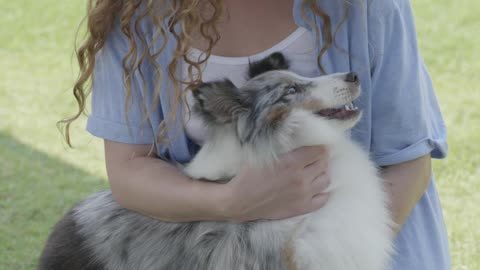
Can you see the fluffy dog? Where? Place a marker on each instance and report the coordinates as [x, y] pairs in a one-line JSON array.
[[274, 112]]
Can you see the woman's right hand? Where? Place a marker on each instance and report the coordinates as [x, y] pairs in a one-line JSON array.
[[293, 186]]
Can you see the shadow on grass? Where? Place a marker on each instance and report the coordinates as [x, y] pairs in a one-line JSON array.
[[35, 190]]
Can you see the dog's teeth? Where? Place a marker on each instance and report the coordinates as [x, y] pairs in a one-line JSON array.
[[350, 107]]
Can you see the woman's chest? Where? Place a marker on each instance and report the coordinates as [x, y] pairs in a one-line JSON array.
[[248, 27]]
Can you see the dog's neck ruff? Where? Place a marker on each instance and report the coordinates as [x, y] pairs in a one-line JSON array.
[[225, 154], [298, 47]]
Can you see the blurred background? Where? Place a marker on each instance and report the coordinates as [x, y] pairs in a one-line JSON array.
[[41, 178]]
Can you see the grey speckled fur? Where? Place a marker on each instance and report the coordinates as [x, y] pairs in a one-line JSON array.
[[123, 239]]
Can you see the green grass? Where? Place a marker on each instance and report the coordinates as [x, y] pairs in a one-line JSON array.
[[40, 177], [448, 35]]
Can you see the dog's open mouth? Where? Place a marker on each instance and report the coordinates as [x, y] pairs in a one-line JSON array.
[[346, 112]]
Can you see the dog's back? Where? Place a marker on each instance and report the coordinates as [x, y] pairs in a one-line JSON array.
[[99, 234]]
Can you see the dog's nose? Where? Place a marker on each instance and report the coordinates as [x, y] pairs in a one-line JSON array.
[[352, 77]]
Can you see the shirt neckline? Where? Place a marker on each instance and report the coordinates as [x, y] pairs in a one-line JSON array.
[[241, 60]]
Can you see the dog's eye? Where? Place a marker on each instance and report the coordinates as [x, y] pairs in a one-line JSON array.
[[292, 90]]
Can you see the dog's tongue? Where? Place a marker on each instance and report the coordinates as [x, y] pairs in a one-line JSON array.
[[339, 113], [342, 113], [329, 112]]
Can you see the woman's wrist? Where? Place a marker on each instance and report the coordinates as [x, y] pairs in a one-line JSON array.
[[215, 200], [406, 183]]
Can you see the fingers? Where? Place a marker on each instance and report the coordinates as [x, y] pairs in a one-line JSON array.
[[315, 169], [318, 189], [307, 155], [314, 204], [316, 177], [320, 184], [319, 201]]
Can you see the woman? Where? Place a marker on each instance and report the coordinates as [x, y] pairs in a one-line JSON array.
[[142, 55]]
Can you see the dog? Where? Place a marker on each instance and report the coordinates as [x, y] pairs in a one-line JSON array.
[[275, 112]]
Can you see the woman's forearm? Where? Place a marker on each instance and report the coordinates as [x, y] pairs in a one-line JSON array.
[[142, 182], [158, 189], [406, 183]]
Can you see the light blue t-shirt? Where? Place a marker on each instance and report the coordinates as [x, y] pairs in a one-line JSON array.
[[401, 120]]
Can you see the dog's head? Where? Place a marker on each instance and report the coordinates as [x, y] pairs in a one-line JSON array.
[[272, 94]]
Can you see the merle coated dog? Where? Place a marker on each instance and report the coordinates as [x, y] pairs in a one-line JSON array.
[[274, 112]]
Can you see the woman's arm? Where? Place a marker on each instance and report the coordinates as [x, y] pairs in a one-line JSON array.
[[148, 185], [406, 182]]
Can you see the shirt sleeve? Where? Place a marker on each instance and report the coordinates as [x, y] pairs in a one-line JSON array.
[[406, 119], [109, 119]]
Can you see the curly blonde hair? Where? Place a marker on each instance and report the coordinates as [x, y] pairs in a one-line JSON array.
[[189, 15]]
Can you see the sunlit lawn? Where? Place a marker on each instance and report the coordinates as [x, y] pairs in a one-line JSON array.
[[40, 177]]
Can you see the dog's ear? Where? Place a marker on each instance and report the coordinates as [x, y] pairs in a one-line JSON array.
[[218, 102], [274, 61]]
